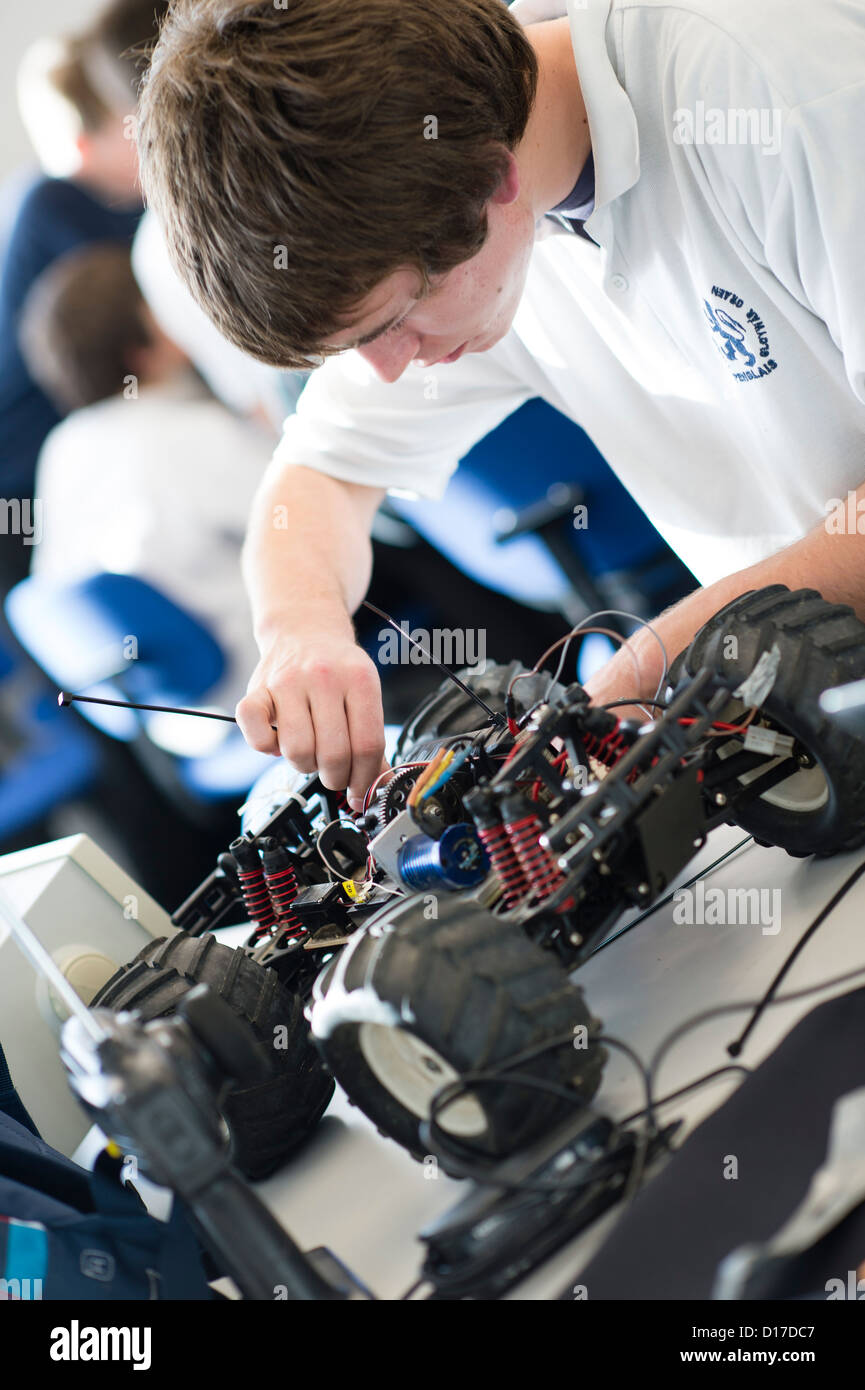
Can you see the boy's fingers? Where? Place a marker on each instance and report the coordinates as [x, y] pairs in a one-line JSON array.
[[255, 715]]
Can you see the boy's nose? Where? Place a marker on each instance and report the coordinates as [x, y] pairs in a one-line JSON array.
[[390, 359]]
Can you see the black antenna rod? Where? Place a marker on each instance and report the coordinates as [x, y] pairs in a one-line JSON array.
[[64, 699], [498, 719]]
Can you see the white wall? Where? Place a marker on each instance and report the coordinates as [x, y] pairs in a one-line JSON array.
[[22, 21]]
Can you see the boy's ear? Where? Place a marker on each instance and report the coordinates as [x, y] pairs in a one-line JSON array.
[[508, 189]]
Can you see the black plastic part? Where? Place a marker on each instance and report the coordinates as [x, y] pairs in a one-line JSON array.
[[495, 1236], [216, 902], [267, 1120], [228, 1041]]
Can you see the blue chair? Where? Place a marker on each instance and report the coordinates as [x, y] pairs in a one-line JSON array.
[[507, 521], [115, 636], [46, 759]]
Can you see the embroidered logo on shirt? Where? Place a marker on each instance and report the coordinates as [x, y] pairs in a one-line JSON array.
[[739, 334]]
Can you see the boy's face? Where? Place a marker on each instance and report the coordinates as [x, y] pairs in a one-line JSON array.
[[468, 310]]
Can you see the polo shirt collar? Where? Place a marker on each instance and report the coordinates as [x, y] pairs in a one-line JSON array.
[[612, 123]]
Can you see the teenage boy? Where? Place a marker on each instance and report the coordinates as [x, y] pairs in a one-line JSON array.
[[650, 214]]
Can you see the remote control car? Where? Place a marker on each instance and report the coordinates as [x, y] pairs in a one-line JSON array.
[[421, 953]]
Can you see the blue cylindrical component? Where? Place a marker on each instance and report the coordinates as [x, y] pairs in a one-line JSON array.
[[457, 860]]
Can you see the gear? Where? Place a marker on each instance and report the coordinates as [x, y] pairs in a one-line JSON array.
[[394, 796]]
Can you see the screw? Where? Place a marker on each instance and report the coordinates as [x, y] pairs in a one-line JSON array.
[[720, 798]]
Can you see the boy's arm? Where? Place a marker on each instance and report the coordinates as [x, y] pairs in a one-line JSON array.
[[308, 557], [307, 564], [830, 558]]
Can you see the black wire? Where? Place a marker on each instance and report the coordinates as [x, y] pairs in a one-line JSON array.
[[638, 1062], [637, 700], [455, 1161], [497, 719], [720, 1009], [412, 1288], [691, 1086], [662, 902], [641, 1148], [735, 1047]]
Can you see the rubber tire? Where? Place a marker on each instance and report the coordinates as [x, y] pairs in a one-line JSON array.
[[822, 645], [479, 991], [268, 1121]]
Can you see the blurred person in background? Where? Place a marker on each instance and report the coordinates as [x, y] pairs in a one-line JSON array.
[[149, 474], [77, 97]]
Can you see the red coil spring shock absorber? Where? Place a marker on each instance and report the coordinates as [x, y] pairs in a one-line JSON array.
[[252, 885], [524, 830], [281, 883], [603, 738], [497, 843]]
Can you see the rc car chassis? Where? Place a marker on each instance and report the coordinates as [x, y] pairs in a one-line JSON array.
[[421, 953]]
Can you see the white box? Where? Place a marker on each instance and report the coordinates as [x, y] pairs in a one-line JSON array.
[[92, 918]]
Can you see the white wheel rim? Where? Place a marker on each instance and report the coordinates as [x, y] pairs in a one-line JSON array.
[[802, 793], [413, 1073]]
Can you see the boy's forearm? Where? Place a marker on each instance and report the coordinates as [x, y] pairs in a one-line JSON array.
[[308, 556], [830, 558], [315, 696]]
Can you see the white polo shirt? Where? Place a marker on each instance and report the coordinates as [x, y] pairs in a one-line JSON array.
[[712, 343]]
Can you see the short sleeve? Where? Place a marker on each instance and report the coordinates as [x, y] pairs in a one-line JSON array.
[[405, 436]]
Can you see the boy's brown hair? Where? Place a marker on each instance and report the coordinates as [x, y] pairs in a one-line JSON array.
[[298, 152]]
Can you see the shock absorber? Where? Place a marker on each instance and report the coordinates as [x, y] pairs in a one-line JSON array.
[[252, 885], [524, 829], [602, 737], [281, 883], [481, 805]]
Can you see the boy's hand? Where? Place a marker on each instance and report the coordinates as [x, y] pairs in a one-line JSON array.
[[324, 696]]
